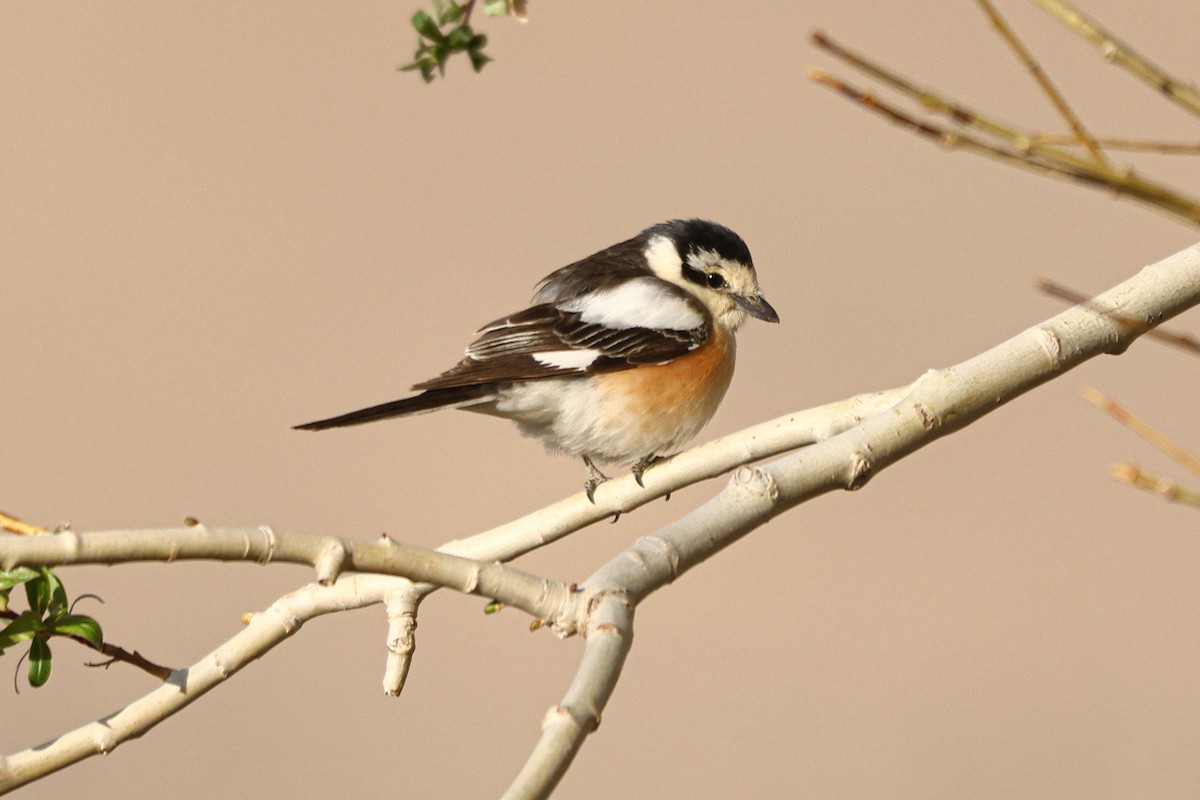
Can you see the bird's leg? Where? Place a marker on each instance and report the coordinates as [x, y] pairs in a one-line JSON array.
[[596, 478]]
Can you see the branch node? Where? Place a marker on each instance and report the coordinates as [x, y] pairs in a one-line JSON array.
[[472, 583], [756, 482], [106, 741], [401, 606], [861, 471], [1051, 343], [929, 420], [269, 534], [562, 715], [330, 562]]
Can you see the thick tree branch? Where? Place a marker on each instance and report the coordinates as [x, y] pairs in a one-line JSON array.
[[328, 555], [940, 402], [622, 494]]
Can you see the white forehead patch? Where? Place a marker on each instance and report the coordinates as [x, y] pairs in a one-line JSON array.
[[702, 259], [663, 258], [638, 303], [567, 359]]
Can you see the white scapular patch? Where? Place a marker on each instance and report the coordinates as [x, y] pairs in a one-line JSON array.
[[662, 256], [638, 303], [567, 359]]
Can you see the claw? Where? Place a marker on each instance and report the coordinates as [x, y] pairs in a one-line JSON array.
[[641, 465], [596, 478]]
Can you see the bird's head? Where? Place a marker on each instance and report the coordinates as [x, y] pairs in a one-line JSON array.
[[712, 263]]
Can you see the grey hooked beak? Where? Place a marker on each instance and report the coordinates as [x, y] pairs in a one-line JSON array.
[[756, 306]]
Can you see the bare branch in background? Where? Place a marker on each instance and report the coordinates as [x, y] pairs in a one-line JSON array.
[[1177, 452], [1018, 146], [1121, 54], [1166, 489]]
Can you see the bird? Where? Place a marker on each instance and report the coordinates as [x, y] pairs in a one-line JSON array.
[[622, 357]]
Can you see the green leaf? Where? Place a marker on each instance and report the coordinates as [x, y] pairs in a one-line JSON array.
[[460, 37], [37, 592], [478, 42], [23, 627], [426, 26], [58, 594], [478, 59], [15, 577], [495, 8], [451, 13], [81, 626], [39, 662]]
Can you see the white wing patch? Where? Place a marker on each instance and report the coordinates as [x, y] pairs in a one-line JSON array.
[[567, 359], [638, 303]]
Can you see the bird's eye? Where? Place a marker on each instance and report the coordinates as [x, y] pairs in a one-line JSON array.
[[714, 280]]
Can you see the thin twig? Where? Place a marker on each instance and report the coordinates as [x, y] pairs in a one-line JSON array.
[[20, 527], [120, 654], [1166, 489], [1024, 149], [1121, 54], [936, 102], [1122, 183], [1125, 144], [1184, 341], [1043, 80], [1155, 437], [467, 8]]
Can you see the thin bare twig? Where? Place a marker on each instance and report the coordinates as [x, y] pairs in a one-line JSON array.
[[936, 102], [1019, 147], [1125, 144], [1155, 437], [20, 527], [120, 654], [1043, 80], [1166, 489], [1121, 54], [1123, 183]]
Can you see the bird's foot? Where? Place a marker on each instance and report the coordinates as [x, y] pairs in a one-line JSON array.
[[642, 464], [596, 477]]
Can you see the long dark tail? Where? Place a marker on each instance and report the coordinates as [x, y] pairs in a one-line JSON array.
[[432, 400]]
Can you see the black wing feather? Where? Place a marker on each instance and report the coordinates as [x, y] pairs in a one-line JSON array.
[[507, 348]]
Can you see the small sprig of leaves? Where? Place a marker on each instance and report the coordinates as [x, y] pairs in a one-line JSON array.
[[442, 34], [48, 616]]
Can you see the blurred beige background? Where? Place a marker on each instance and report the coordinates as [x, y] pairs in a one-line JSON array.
[[221, 219]]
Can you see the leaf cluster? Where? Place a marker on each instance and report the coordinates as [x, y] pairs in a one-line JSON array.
[[442, 34], [48, 615]]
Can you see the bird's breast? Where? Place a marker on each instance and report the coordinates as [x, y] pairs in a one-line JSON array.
[[656, 408]]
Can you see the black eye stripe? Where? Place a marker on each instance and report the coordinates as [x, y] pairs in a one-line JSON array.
[[694, 275], [713, 280]]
